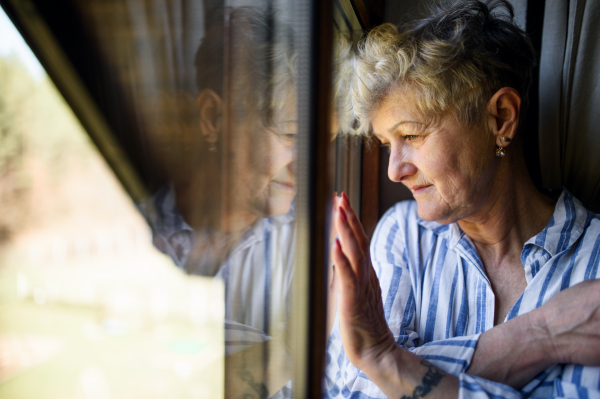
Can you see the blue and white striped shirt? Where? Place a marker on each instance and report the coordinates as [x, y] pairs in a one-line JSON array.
[[438, 299], [257, 271]]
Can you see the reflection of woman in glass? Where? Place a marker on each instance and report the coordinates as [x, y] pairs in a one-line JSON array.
[[227, 210]]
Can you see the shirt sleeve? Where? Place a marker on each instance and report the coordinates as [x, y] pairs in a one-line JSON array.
[[389, 255], [471, 387]]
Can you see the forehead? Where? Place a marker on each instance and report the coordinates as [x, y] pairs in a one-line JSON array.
[[399, 105]]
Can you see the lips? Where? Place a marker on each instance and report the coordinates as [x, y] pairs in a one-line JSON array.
[[285, 185], [416, 189]]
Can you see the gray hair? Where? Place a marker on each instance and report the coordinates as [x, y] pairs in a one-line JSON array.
[[455, 59]]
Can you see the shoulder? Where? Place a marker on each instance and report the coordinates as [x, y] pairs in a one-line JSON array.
[[587, 252], [390, 237], [398, 216], [402, 221], [572, 225], [401, 234], [573, 234], [395, 221]]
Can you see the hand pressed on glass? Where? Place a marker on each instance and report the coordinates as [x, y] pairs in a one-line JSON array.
[[367, 339], [365, 333]]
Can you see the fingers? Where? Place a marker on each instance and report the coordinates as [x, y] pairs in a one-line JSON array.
[[355, 224], [349, 243], [343, 268], [333, 279], [353, 243]]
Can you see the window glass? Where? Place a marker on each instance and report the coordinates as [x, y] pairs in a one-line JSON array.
[[182, 288], [347, 155], [89, 308]]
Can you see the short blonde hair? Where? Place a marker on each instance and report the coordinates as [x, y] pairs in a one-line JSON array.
[[455, 60]]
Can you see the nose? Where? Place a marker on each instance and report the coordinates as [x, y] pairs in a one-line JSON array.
[[292, 166], [400, 167], [283, 157]]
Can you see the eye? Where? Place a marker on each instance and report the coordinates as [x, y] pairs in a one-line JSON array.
[[285, 132], [287, 139], [411, 137]]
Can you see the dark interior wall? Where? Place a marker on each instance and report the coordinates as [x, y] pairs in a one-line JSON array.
[[397, 11]]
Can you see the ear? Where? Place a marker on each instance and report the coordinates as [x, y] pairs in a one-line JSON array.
[[504, 111], [210, 110]]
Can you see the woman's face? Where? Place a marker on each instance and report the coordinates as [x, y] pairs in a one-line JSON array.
[[448, 166], [264, 180]]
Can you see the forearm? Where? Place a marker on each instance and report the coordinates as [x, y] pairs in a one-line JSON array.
[[402, 374], [512, 353]]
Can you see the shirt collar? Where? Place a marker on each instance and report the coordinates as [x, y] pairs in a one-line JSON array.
[[568, 222], [160, 210], [565, 227], [451, 231], [162, 214]]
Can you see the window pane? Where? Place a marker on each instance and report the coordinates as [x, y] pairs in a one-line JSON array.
[[88, 307], [186, 290]]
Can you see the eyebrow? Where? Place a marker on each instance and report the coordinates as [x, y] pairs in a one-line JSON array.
[[390, 130]]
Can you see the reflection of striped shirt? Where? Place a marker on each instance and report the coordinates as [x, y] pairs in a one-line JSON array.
[[257, 272], [438, 299]]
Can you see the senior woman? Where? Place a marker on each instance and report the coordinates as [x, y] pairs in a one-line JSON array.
[[460, 294]]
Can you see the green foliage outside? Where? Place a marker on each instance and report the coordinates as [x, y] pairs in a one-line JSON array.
[[37, 129]]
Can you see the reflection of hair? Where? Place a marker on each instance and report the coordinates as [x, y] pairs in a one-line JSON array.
[[455, 60], [342, 79], [261, 71]]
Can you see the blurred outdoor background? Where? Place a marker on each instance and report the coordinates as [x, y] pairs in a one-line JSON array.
[[88, 307]]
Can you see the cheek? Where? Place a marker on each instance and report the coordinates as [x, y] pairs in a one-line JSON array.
[[451, 172], [470, 175], [272, 156], [262, 165], [251, 156]]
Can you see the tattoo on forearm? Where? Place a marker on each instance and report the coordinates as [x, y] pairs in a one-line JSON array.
[[247, 377], [432, 377]]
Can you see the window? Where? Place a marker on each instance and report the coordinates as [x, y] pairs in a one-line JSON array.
[[214, 117]]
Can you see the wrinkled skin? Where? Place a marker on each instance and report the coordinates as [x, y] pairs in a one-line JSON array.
[[572, 321], [365, 333]]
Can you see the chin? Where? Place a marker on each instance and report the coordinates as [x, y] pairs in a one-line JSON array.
[[273, 206], [434, 213]]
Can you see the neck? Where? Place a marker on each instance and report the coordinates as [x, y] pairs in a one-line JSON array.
[[514, 211]]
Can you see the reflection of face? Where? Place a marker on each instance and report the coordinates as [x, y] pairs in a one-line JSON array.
[[263, 177], [448, 166]]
